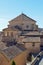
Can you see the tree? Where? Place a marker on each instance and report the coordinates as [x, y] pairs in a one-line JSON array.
[[13, 63]]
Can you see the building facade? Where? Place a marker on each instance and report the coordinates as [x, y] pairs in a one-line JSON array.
[[25, 31]]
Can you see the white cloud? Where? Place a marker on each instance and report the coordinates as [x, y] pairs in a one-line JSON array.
[[3, 23]]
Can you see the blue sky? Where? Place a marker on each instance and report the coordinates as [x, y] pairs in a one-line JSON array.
[[9, 9]]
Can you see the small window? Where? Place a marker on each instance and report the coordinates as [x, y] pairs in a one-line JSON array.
[[27, 26], [33, 44]]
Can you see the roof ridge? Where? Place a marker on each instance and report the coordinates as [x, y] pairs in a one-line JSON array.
[[22, 14]]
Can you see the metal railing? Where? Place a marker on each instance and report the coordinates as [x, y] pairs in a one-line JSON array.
[[36, 59]]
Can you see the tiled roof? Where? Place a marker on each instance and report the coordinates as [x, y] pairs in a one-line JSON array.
[[31, 33], [10, 29], [2, 45], [12, 51], [21, 46]]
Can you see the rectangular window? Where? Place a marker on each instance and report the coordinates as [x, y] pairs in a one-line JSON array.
[[33, 44]]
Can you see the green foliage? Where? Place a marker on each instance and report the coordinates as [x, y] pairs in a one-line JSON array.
[[13, 63]]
